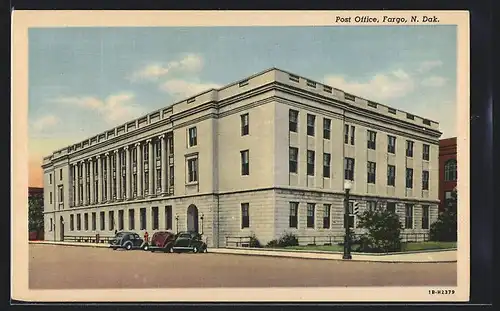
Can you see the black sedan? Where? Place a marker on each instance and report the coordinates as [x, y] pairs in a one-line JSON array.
[[189, 241], [127, 240]]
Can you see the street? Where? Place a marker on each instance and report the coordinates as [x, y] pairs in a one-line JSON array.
[[69, 267]]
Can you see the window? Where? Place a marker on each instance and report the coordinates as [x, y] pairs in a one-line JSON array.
[[60, 194], [425, 216], [51, 224], [351, 218], [294, 208], [391, 144], [410, 116], [245, 163], [391, 175], [293, 78], [391, 207], [244, 124], [191, 100], [145, 157], [50, 179], [408, 216], [310, 215], [311, 83], [372, 104], [327, 127], [327, 89], [326, 216], [293, 120], [111, 220], [146, 182], [243, 83], [409, 148], [311, 120], [170, 145], [409, 178], [143, 219], [103, 221], [349, 168], [391, 110], [78, 222], [50, 197], [154, 214], [71, 222], [158, 149], [86, 221], [131, 219], [192, 137], [353, 130], [425, 180], [310, 162], [292, 163], [171, 175], [60, 174], [121, 222], [326, 165], [426, 152], [372, 137], [168, 217], [450, 170], [94, 221], [346, 134], [371, 205], [349, 96], [245, 216], [192, 170], [372, 167]]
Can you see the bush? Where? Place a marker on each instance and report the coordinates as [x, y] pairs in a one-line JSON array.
[[383, 232], [445, 228], [288, 239], [254, 242], [272, 243]]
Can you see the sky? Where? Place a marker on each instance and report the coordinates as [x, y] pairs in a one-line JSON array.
[[83, 81]]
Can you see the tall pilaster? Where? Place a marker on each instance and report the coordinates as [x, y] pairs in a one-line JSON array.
[[109, 180], [164, 165], [77, 185], [84, 180], [128, 172], [118, 176], [139, 169], [152, 166], [99, 179], [92, 181]]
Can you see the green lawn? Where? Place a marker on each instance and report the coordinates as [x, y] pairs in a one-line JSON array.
[[406, 247]]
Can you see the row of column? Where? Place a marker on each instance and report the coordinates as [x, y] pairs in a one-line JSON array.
[[105, 193]]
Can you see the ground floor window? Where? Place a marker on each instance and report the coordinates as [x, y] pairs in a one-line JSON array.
[[71, 222], [120, 220], [143, 219], [111, 220], [78, 222], [94, 222], [245, 215], [131, 219], [391, 207], [168, 217], [351, 218], [103, 220], [294, 207], [310, 215], [409, 216], [86, 221], [326, 216], [425, 217], [154, 214]]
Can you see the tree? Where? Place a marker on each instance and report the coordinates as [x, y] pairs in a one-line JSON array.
[[445, 228], [383, 231], [35, 213]]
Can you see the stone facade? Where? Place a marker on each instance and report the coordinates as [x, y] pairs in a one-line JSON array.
[[221, 162]]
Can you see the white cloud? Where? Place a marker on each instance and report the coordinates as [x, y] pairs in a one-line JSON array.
[[45, 122], [190, 63], [382, 86], [434, 81], [426, 66], [181, 88], [114, 109]]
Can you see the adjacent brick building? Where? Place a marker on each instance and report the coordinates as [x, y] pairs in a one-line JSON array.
[[264, 155], [447, 172]]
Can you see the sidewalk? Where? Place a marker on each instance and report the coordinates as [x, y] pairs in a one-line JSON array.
[[441, 256]]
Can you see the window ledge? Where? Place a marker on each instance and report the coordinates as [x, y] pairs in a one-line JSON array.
[[193, 183]]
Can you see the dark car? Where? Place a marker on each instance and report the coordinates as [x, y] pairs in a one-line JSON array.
[[189, 241], [162, 241], [127, 240]]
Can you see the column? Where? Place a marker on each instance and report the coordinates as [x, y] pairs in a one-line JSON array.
[[118, 176], [84, 180], [152, 169], [92, 199], [109, 178], [139, 163], [99, 179], [128, 171], [167, 163], [164, 181], [77, 187]]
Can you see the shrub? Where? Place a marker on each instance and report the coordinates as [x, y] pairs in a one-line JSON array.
[[288, 239], [445, 228], [383, 231], [254, 242], [272, 243]]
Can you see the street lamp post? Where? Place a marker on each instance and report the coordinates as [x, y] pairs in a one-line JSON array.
[[201, 218], [347, 242], [177, 223]]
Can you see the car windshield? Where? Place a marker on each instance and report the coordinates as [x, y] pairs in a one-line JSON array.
[[185, 235], [120, 234]]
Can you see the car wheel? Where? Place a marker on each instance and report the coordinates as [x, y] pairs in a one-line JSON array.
[[114, 248], [195, 249], [146, 247], [128, 246], [205, 250]]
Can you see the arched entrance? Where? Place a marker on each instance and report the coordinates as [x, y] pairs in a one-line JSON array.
[[192, 218], [61, 228]]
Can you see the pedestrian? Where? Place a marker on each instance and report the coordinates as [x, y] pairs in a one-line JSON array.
[[146, 241], [116, 231]]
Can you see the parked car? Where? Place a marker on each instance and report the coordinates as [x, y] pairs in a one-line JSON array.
[[162, 241], [128, 241], [188, 241]]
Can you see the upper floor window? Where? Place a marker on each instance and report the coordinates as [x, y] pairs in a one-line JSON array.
[[293, 161], [60, 174], [372, 136], [145, 153], [409, 178], [193, 139], [450, 170], [310, 162], [326, 165], [158, 148], [409, 148], [371, 172], [293, 120], [311, 120], [391, 175], [425, 180], [245, 162], [349, 168], [391, 144], [349, 135], [327, 125], [192, 169], [244, 124], [50, 179], [426, 152]]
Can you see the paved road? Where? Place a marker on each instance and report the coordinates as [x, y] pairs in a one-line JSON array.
[[69, 267]]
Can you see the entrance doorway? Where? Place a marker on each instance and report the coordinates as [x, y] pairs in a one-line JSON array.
[[61, 230], [192, 218]]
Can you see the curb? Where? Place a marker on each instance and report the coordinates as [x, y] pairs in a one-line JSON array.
[[68, 244]]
